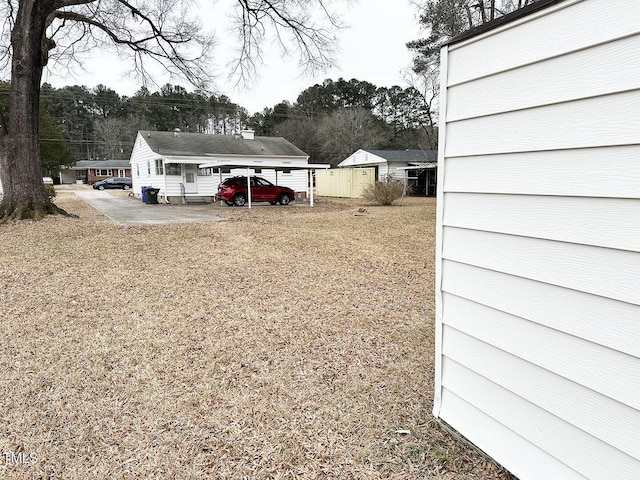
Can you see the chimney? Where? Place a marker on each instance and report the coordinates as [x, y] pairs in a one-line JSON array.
[[248, 134]]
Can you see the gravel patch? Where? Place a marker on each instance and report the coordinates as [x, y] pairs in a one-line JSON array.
[[281, 343]]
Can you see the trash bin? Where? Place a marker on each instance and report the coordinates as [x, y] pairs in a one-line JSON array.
[[143, 194], [152, 195]]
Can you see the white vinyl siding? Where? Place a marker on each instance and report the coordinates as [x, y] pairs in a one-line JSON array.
[[538, 242], [141, 157]]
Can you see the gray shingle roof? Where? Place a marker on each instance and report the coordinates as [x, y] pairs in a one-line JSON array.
[[199, 144], [102, 164], [407, 155]]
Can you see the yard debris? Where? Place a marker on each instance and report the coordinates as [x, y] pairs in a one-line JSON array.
[[361, 212]]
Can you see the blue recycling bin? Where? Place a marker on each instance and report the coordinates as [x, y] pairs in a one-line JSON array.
[[144, 194]]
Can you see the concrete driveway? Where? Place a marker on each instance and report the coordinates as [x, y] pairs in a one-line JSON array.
[[129, 211]]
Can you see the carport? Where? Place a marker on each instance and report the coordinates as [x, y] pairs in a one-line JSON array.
[[277, 165]]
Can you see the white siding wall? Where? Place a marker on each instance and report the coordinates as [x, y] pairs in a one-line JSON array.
[[394, 169], [538, 256], [141, 158]]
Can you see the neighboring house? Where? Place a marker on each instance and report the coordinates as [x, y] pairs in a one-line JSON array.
[[538, 240], [417, 167], [91, 171], [175, 163]]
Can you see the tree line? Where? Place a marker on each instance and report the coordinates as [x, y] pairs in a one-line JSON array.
[[329, 121]]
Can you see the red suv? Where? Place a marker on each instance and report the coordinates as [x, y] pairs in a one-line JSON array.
[[234, 191]]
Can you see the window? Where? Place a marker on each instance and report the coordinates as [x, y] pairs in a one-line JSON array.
[[226, 170], [121, 172], [137, 169], [207, 172], [149, 168], [173, 169], [286, 171], [104, 172], [257, 170], [262, 182], [159, 169]]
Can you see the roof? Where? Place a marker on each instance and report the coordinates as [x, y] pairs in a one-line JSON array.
[[510, 17], [406, 155], [204, 145], [260, 163], [84, 164]]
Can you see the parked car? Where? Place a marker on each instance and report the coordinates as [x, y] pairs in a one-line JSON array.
[[47, 180], [234, 191], [123, 183]]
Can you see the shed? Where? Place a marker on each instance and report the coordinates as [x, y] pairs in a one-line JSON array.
[[187, 167], [417, 167], [538, 240]]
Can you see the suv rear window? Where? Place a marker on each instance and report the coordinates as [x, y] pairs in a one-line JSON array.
[[236, 181]]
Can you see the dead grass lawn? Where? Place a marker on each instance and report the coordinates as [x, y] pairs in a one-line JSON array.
[[283, 343]]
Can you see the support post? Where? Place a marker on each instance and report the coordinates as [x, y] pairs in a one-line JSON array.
[[249, 185]]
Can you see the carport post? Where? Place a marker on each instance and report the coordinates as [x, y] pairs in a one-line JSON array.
[[311, 188], [220, 174], [249, 185]]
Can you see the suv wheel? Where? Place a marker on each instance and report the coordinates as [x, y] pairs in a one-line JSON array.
[[284, 199], [239, 200], [126, 187]]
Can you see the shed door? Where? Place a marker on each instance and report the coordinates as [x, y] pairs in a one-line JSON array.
[[190, 178]]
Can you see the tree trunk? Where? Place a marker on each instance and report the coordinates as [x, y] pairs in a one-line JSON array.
[[24, 195]]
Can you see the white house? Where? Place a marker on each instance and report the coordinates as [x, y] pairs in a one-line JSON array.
[[176, 163], [418, 167], [538, 240]]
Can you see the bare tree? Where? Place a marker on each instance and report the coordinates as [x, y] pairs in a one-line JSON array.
[[349, 129], [114, 137], [426, 85], [159, 31]]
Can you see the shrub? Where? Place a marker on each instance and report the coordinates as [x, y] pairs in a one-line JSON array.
[[50, 191], [385, 191]]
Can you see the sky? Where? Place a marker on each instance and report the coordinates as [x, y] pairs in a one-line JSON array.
[[372, 49]]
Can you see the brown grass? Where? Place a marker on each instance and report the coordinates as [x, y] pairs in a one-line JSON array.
[[283, 343]]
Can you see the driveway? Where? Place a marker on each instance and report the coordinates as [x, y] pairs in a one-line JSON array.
[[129, 211]]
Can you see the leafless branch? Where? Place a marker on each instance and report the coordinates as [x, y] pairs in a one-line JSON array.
[[293, 26]]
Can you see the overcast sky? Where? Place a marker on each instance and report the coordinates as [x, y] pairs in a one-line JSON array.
[[372, 49]]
